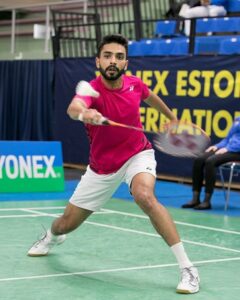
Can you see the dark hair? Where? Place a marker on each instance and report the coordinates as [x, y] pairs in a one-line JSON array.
[[113, 38]]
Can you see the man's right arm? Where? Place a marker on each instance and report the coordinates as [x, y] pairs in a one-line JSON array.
[[77, 110], [76, 107]]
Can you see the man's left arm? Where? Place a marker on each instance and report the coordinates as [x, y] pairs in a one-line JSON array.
[[156, 102]]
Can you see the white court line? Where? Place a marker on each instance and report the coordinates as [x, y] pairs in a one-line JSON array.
[[177, 222], [42, 208], [126, 214], [39, 214], [139, 232], [19, 216], [53, 215], [47, 208], [114, 270], [35, 214], [158, 236]]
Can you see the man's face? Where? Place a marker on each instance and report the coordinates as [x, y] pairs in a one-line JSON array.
[[112, 62]]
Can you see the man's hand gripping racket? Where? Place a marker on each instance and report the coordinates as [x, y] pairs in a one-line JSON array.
[[175, 138]]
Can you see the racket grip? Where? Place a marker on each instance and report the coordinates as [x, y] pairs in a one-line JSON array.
[[102, 121]]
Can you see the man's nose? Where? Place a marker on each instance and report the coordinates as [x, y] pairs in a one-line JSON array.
[[113, 60]]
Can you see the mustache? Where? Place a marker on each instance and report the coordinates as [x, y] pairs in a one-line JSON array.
[[112, 68]]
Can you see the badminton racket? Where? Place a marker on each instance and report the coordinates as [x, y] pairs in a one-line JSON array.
[[181, 139], [176, 138]]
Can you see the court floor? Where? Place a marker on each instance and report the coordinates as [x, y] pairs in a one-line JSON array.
[[115, 254]]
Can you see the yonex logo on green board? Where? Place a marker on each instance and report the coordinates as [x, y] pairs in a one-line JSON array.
[[31, 167]]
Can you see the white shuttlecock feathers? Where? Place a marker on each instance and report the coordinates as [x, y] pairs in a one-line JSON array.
[[84, 88]]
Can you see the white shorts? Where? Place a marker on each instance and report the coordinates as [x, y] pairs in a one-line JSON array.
[[94, 190]]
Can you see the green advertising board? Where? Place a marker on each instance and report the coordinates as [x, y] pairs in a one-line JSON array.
[[31, 167]]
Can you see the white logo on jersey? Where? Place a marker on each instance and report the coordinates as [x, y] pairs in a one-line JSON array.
[[131, 88]]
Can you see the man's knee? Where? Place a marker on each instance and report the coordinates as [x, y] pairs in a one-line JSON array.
[[144, 198]]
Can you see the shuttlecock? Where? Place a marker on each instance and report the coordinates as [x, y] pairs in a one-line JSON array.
[[84, 88]]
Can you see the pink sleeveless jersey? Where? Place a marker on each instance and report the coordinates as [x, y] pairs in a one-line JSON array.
[[111, 147]]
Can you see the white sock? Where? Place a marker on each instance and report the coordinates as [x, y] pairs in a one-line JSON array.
[[181, 256], [52, 236]]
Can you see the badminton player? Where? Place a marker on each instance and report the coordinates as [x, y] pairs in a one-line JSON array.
[[118, 155]]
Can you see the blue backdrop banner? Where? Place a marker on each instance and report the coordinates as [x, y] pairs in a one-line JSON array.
[[199, 89]]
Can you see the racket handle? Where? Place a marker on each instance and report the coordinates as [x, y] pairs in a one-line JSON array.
[[102, 121]]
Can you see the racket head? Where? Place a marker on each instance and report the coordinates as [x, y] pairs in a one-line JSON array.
[[181, 139]]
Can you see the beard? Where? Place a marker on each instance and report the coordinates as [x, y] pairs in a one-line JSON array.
[[113, 76]]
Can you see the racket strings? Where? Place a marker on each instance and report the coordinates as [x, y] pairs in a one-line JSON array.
[[183, 140]]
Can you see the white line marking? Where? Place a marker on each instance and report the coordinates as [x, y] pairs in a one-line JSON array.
[[39, 214], [130, 215], [42, 208], [115, 270], [141, 232], [48, 208], [18, 216], [158, 236], [36, 213], [110, 211], [177, 222]]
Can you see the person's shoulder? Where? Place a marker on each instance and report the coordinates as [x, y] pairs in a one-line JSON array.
[[135, 83], [132, 79], [96, 83]]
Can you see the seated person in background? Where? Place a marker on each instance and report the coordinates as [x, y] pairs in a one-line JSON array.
[[227, 150], [201, 9]]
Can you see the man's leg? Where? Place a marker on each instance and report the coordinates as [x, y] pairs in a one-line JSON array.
[[73, 217], [90, 195], [142, 189]]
